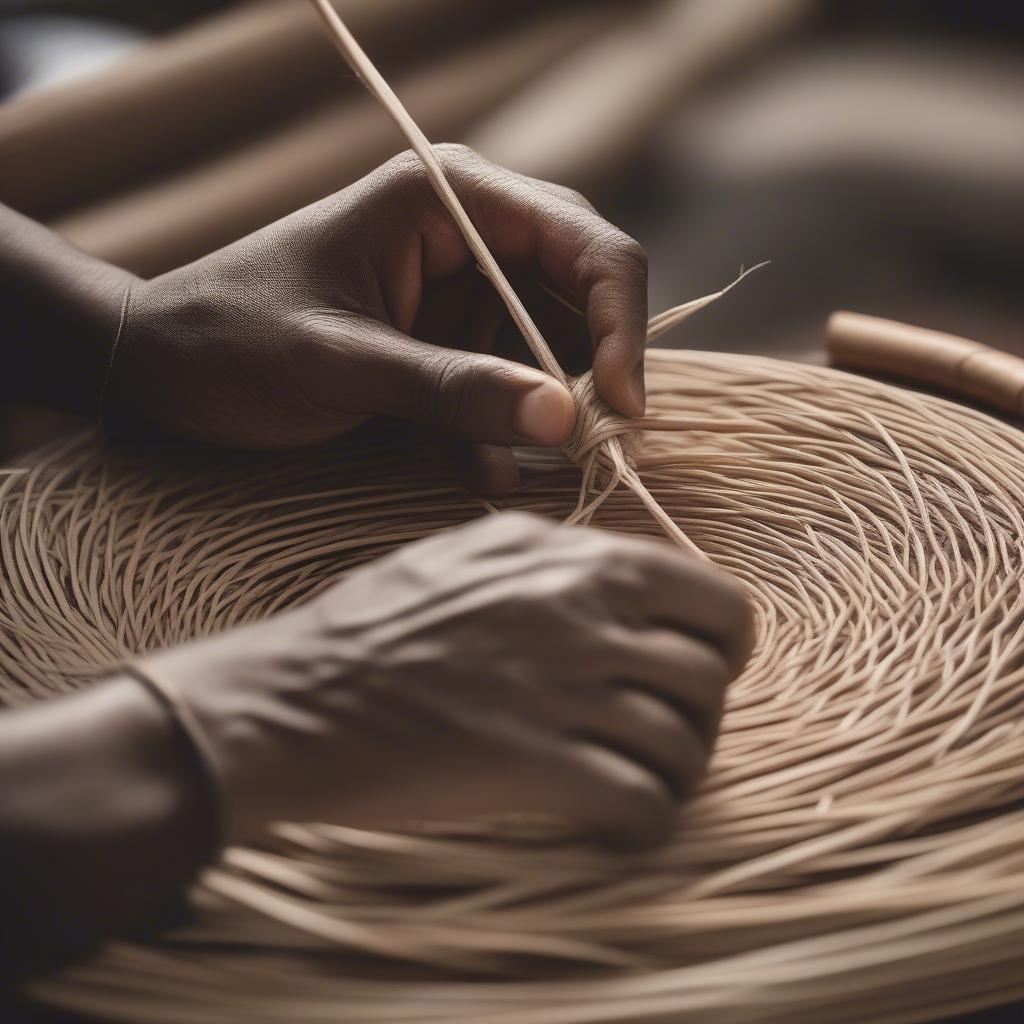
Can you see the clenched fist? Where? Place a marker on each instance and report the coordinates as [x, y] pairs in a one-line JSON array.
[[512, 665]]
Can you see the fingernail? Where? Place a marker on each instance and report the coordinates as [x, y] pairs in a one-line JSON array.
[[545, 415]]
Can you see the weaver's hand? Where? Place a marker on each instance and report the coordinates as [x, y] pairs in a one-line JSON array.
[[512, 665], [370, 302]]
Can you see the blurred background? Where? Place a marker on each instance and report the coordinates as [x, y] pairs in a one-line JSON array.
[[872, 151]]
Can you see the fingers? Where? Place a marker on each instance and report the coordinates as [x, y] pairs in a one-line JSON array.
[[651, 733], [537, 226], [670, 589], [705, 603], [683, 632], [489, 470], [683, 673], [640, 745], [592, 264], [618, 801], [359, 364], [613, 275], [628, 766]]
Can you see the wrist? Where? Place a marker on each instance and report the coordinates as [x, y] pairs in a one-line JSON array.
[[156, 377], [132, 748], [143, 376], [265, 699], [65, 310], [200, 766], [147, 746], [93, 781], [100, 294], [218, 685]]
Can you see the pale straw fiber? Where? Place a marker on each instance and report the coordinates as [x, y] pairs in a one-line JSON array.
[[856, 852]]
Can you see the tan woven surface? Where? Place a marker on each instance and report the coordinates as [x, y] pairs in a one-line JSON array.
[[856, 853]]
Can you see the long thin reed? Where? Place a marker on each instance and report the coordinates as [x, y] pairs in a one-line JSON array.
[[601, 439]]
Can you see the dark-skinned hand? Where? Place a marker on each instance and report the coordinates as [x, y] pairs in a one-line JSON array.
[[510, 666], [369, 302]]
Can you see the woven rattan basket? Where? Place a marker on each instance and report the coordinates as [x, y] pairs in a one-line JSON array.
[[856, 852]]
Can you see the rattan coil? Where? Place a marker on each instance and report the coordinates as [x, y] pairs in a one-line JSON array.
[[856, 852]]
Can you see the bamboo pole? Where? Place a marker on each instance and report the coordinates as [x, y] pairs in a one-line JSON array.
[[965, 368]]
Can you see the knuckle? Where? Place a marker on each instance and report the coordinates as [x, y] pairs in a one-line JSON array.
[[738, 624], [625, 545], [742, 608], [630, 251], [619, 573], [675, 571], [451, 381], [631, 807], [619, 565], [686, 766], [456, 155], [610, 246], [646, 812], [660, 566], [456, 150], [502, 533], [573, 197], [702, 705], [403, 165], [693, 769], [707, 664], [403, 180], [520, 524]]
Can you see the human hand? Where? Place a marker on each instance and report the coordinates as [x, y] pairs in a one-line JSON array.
[[511, 665], [369, 302]]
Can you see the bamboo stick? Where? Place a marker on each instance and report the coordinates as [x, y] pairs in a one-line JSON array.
[[965, 368]]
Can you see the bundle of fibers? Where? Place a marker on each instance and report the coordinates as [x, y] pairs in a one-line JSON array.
[[856, 851]]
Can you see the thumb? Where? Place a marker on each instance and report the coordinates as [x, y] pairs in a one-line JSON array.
[[486, 399], [465, 395]]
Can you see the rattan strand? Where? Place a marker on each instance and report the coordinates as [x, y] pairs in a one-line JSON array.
[[856, 852]]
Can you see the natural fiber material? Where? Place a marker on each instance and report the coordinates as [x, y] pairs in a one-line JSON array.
[[601, 438], [856, 852]]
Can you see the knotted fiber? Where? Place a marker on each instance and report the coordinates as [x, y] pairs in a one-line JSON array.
[[856, 851]]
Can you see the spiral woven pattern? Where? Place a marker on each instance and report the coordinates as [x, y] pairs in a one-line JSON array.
[[856, 852]]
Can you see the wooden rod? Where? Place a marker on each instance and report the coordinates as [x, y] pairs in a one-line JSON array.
[[958, 365], [385, 95]]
